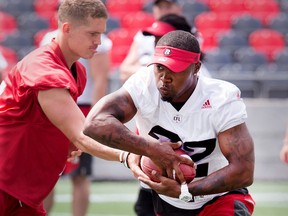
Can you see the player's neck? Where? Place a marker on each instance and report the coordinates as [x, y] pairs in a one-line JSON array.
[[178, 105]]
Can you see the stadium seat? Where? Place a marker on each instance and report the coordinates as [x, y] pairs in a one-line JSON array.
[[53, 20], [112, 23], [17, 7], [121, 7], [8, 24], [279, 22], [283, 4], [135, 21], [32, 22], [148, 7], [17, 39], [23, 51], [214, 22], [121, 39], [232, 41], [231, 7], [217, 58], [46, 8], [262, 9], [267, 41], [281, 57], [210, 25], [245, 24], [250, 59], [191, 9], [121, 36]]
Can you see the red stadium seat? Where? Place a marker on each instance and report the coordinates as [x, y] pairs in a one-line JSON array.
[[267, 41], [262, 9], [8, 24], [53, 21], [121, 41], [46, 8], [137, 20], [214, 22], [246, 23], [121, 7], [210, 25], [121, 36], [232, 7]]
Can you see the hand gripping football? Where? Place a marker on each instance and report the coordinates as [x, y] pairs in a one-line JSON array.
[[147, 165]]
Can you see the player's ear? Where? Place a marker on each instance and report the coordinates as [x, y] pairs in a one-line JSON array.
[[65, 27], [197, 67]]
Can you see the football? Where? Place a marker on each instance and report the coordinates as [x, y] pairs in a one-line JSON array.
[[147, 165]]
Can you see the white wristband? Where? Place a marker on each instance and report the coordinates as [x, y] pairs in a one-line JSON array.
[[126, 154], [121, 157], [185, 195]]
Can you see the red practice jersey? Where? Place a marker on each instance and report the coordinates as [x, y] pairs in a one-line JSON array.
[[33, 151]]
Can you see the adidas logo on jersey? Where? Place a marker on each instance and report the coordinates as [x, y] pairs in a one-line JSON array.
[[206, 105]]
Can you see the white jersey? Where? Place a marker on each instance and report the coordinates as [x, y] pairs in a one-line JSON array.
[[214, 106]]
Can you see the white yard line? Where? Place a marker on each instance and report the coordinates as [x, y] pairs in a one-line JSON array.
[[96, 198], [117, 197]]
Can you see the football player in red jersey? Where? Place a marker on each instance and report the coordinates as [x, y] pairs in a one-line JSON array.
[[172, 103], [39, 117]]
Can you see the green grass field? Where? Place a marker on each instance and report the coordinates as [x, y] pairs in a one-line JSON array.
[[116, 198]]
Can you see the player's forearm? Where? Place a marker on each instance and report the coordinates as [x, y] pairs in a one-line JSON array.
[[90, 146], [113, 133], [223, 180]]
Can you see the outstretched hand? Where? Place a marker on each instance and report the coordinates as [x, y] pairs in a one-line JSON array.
[[74, 153], [166, 186], [134, 164]]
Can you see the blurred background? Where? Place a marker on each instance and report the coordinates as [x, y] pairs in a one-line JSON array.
[[244, 41]]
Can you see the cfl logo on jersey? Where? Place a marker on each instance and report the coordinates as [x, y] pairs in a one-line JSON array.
[[177, 118], [167, 52]]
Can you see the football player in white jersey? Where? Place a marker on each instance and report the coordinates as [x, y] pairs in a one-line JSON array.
[[172, 103]]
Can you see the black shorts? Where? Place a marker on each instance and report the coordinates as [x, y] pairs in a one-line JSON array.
[[85, 166], [85, 163]]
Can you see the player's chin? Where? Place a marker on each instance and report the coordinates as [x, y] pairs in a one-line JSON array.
[[166, 98], [89, 54]]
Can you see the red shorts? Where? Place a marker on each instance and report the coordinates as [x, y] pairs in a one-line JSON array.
[[230, 205], [10, 206], [226, 205]]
